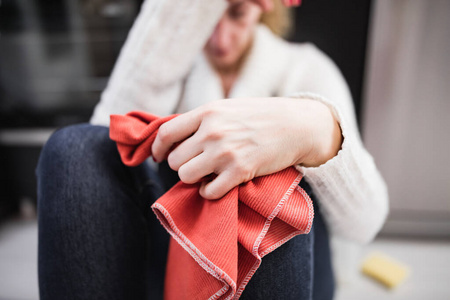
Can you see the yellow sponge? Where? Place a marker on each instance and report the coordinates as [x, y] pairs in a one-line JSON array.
[[385, 269]]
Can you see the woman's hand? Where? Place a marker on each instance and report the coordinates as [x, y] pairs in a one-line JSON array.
[[267, 5], [239, 139]]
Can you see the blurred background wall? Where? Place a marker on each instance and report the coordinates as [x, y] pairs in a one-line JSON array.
[[55, 59], [406, 116]]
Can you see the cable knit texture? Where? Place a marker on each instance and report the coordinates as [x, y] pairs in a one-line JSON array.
[[352, 194], [217, 245]]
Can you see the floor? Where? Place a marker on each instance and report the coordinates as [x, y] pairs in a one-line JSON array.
[[18, 260], [429, 261]]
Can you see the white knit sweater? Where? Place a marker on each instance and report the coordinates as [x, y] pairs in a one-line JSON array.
[[161, 69]]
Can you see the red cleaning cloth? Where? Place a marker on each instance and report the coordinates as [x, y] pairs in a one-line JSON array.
[[219, 243]]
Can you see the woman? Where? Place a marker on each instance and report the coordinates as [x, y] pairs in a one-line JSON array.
[[94, 211]]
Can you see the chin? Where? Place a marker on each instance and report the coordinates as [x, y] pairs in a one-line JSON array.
[[223, 62]]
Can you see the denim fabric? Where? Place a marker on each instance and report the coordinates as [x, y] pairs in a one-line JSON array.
[[99, 239]]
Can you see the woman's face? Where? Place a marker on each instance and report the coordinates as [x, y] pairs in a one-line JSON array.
[[233, 34]]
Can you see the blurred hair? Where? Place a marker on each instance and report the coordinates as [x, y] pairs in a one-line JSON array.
[[279, 20]]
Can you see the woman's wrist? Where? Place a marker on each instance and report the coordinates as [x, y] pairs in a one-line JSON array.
[[326, 135]]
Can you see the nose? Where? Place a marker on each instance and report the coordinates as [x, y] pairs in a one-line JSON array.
[[221, 37]]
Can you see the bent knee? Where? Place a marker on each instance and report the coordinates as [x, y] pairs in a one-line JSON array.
[[74, 143]]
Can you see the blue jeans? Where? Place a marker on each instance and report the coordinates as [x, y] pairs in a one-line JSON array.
[[99, 239]]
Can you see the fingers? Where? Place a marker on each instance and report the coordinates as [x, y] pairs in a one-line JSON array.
[[221, 185], [266, 5], [174, 131], [188, 149], [290, 3], [196, 168]]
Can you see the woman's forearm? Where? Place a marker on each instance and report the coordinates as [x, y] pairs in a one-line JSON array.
[[160, 48]]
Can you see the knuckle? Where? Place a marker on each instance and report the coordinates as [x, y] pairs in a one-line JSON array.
[[243, 171], [208, 110], [213, 135], [164, 133], [229, 155]]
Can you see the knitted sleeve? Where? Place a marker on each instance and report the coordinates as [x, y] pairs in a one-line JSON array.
[[352, 193], [160, 48]]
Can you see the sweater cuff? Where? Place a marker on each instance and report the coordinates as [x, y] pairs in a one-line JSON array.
[[341, 185], [343, 152]]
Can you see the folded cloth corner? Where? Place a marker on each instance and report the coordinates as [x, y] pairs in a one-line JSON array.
[[216, 246]]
